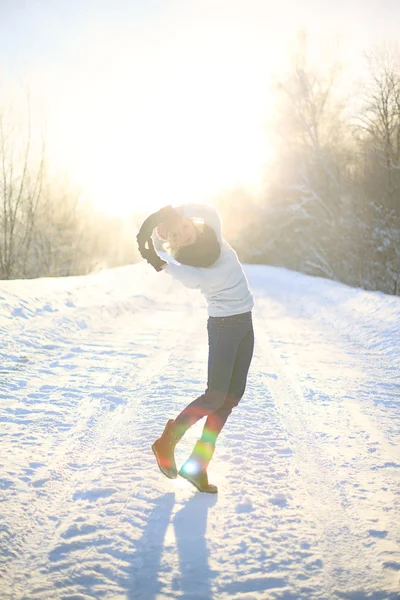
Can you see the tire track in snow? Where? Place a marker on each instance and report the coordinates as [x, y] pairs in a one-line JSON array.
[[98, 428], [138, 477], [343, 535]]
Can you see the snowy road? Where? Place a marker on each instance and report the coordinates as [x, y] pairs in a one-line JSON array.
[[308, 466]]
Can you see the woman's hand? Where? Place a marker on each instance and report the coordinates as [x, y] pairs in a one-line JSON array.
[[151, 256], [146, 249], [164, 214]]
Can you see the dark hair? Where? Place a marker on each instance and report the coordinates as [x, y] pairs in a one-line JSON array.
[[204, 252]]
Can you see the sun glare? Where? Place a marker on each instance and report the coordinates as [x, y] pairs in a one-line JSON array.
[[169, 104], [169, 132], [130, 158]]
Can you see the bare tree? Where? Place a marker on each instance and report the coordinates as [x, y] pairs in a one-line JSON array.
[[311, 111], [57, 246], [378, 195], [21, 180], [379, 125], [45, 229], [307, 195], [331, 204]]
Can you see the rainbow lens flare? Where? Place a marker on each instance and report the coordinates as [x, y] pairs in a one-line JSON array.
[[191, 467]]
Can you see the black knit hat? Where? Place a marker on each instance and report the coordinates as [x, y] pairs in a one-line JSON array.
[[204, 252]]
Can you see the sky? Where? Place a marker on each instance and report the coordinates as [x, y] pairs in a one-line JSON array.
[[166, 101]]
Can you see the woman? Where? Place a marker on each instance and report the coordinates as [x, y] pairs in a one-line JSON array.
[[208, 263]]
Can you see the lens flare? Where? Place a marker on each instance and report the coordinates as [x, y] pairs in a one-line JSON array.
[[191, 467]]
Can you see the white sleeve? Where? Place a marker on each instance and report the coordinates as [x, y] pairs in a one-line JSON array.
[[189, 276], [208, 213], [161, 253]]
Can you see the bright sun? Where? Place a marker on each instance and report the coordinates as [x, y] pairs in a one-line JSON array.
[[170, 132], [128, 158]]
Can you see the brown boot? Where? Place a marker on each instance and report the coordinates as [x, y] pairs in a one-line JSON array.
[[195, 468], [164, 448]]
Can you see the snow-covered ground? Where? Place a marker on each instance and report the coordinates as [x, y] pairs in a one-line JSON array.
[[308, 466]]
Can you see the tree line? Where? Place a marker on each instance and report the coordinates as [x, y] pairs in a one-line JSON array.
[[46, 230], [331, 204]]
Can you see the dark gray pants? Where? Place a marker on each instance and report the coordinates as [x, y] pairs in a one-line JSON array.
[[231, 343]]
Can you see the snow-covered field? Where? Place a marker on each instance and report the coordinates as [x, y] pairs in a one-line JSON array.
[[308, 466]]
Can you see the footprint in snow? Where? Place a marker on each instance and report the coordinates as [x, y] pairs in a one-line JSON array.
[[279, 500], [5, 484], [386, 465], [378, 534], [19, 312], [284, 451], [94, 494], [244, 507], [392, 565], [38, 483], [46, 308], [76, 531]]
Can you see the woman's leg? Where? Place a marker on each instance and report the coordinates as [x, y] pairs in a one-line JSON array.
[[223, 347], [195, 468], [217, 419]]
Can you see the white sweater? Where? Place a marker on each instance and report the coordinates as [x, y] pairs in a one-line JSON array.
[[224, 284]]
